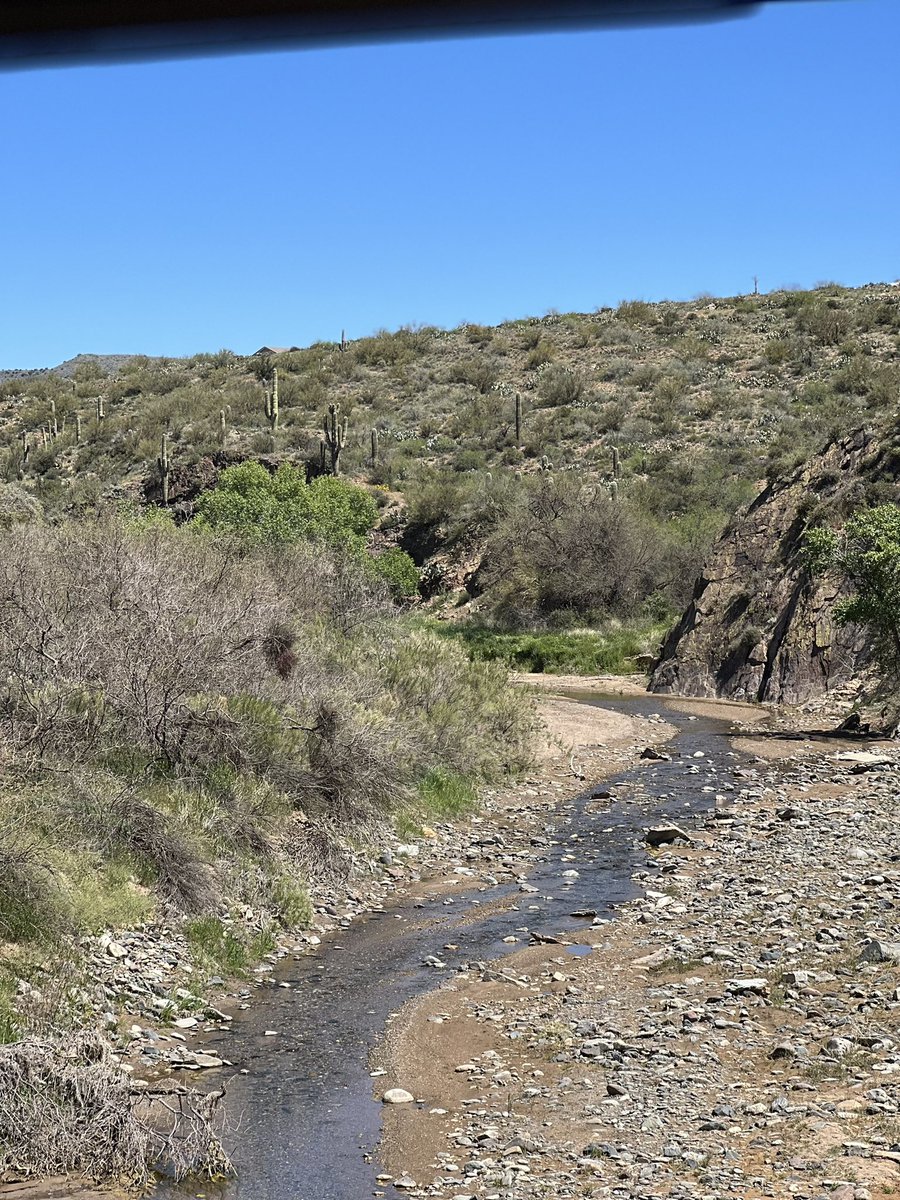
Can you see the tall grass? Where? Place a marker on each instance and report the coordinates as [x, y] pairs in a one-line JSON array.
[[614, 651]]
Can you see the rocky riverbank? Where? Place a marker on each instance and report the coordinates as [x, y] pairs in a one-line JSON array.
[[733, 1034], [161, 1013]]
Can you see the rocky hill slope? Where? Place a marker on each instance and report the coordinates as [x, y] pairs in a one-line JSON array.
[[758, 626], [679, 411]]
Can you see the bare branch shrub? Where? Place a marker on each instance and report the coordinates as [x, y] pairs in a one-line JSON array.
[[29, 896], [66, 1107], [565, 548]]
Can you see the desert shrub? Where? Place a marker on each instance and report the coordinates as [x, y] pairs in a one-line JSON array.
[[398, 571], [541, 354], [17, 505], [31, 907], [478, 371], [559, 386], [66, 1107], [643, 377], [464, 716], [564, 547], [259, 507], [635, 312], [392, 349], [479, 335], [176, 705], [824, 320]]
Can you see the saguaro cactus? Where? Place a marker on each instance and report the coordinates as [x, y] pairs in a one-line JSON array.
[[78, 429], [223, 426], [164, 466], [54, 423], [614, 489], [616, 463], [343, 342], [335, 436], [25, 445], [101, 408], [271, 402], [518, 419], [374, 440]]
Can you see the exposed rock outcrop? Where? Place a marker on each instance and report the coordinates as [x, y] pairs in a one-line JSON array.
[[758, 627]]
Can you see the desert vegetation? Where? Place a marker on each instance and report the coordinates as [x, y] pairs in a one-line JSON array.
[[256, 611], [636, 431], [197, 728]]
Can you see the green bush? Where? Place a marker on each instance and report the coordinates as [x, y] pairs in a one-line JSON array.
[[866, 552], [398, 571], [258, 507], [559, 386]]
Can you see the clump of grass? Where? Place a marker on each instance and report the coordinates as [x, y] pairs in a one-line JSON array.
[[9, 1018], [609, 652], [290, 901], [446, 795], [215, 944], [229, 950]]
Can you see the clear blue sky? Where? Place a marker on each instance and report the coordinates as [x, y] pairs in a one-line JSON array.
[[169, 208]]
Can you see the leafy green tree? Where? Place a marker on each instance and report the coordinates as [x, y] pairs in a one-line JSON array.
[[398, 571], [867, 553], [265, 509]]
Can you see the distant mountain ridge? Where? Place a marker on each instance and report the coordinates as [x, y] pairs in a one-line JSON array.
[[109, 364]]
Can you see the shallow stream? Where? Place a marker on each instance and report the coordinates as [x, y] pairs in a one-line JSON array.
[[305, 1125]]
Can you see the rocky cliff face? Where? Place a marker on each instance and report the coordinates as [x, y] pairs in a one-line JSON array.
[[758, 628]]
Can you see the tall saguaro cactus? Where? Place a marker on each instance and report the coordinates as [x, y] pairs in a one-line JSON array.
[[335, 436], [54, 423], [101, 408], [518, 419], [223, 426], [271, 401], [616, 463], [374, 440], [78, 429], [164, 466]]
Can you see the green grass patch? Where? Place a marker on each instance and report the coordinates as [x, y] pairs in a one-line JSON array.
[[446, 796], [225, 949], [441, 795], [9, 1022], [613, 651]]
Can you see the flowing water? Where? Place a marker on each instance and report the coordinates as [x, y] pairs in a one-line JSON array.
[[306, 1123]]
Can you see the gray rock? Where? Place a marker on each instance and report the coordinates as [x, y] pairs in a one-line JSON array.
[[877, 951], [663, 835]]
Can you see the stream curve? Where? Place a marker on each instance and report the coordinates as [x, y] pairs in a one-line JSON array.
[[304, 1123]]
